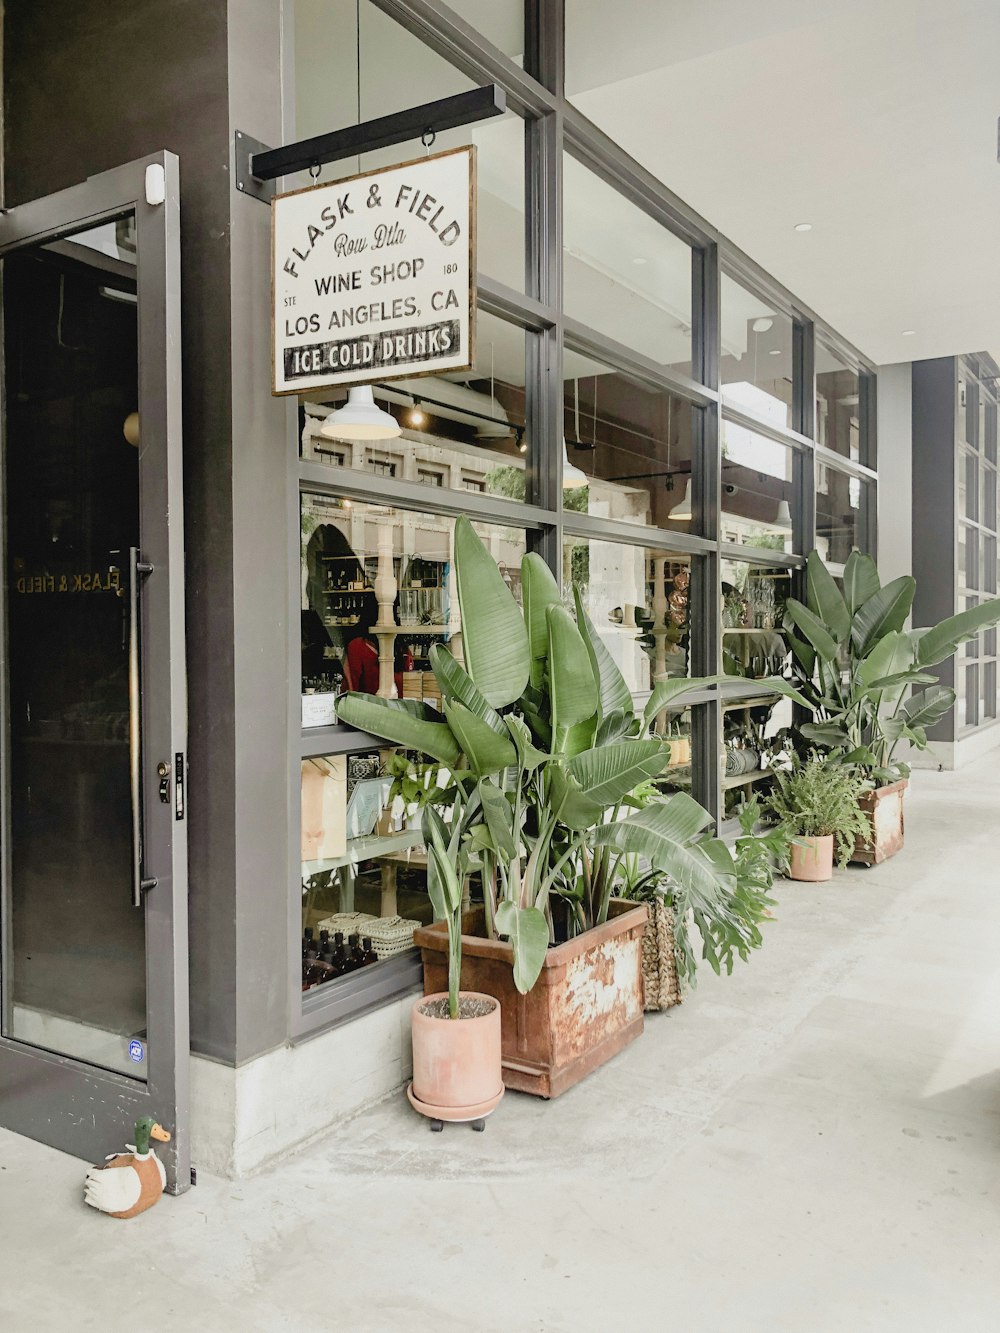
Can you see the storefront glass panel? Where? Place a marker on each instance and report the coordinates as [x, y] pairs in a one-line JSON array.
[[397, 71], [353, 640], [631, 447], [624, 274], [756, 366], [756, 489], [459, 432], [839, 500], [838, 410], [76, 943]]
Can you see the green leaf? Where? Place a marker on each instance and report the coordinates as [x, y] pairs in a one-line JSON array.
[[663, 834], [926, 707], [572, 684], [610, 773], [494, 638], [825, 599], [734, 688], [825, 733], [528, 932], [671, 690], [486, 751], [614, 693], [613, 726], [817, 634], [539, 591], [891, 655], [934, 645], [499, 820], [568, 802], [861, 581], [803, 653], [528, 755], [383, 717], [881, 614], [456, 683]]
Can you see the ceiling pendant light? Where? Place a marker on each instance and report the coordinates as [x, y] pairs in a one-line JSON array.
[[573, 477], [360, 419], [681, 513], [783, 518]]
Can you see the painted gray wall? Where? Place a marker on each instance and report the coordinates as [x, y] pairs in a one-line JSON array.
[[934, 419], [89, 84], [895, 501]]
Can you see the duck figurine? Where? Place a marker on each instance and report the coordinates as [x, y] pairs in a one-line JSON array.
[[132, 1181]]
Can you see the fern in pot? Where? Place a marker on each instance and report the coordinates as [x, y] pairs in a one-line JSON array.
[[817, 800]]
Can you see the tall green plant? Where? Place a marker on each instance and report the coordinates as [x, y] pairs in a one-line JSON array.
[[542, 740], [860, 669]]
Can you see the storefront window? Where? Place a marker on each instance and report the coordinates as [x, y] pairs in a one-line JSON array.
[[377, 593], [756, 366], [398, 71], [624, 274], [838, 398], [753, 646], [756, 489], [364, 868], [839, 499], [632, 446], [459, 432]]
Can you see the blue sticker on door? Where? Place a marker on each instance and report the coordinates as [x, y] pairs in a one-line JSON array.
[[136, 1053]]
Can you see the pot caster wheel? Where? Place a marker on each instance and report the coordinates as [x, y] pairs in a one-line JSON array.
[[479, 1125], [437, 1126]]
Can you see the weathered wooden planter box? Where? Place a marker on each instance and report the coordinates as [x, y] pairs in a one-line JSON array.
[[884, 808], [585, 1007]]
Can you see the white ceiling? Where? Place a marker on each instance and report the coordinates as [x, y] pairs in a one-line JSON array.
[[874, 120]]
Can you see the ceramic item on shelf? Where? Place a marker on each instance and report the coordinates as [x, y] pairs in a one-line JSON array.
[[132, 1181]]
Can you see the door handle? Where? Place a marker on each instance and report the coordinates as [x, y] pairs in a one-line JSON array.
[[137, 569]]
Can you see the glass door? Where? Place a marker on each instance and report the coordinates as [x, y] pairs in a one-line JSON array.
[[92, 916]]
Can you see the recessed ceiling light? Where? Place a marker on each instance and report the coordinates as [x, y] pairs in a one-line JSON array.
[[908, 333], [775, 351], [803, 226], [762, 325], [638, 260]]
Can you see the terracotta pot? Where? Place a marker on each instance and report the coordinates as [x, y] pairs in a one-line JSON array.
[[813, 861], [884, 809], [585, 1007], [456, 1061]]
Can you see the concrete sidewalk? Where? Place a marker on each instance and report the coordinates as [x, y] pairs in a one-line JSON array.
[[810, 1145]]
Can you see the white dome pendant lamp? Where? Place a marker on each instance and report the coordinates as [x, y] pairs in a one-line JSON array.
[[360, 419], [573, 477], [681, 513], [783, 518]]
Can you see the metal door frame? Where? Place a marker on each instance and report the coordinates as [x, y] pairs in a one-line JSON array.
[[55, 1099]]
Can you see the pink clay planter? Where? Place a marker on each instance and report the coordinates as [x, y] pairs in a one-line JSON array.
[[812, 859], [457, 1073]]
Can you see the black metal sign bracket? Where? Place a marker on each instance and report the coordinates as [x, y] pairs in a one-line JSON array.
[[258, 167]]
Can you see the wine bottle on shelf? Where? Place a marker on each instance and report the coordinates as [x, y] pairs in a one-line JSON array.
[[357, 958], [370, 956], [340, 960]]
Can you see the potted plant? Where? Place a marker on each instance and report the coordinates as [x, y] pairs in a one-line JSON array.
[[868, 680], [728, 920], [456, 1034], [817, 800], [539, 733]]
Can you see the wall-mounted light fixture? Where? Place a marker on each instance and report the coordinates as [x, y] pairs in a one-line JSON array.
[[360, 419]]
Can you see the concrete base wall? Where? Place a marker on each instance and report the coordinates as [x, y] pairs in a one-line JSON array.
[[950, 755], [243, 1118]]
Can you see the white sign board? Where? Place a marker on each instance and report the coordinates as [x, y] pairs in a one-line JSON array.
[[373, 278]]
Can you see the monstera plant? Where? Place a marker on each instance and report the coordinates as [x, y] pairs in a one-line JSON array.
[[867, 678], [539, 733]]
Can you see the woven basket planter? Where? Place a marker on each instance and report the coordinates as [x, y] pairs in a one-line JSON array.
[[660, 982]]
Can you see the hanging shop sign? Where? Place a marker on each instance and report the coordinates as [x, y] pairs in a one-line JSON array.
[[373, 278]]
